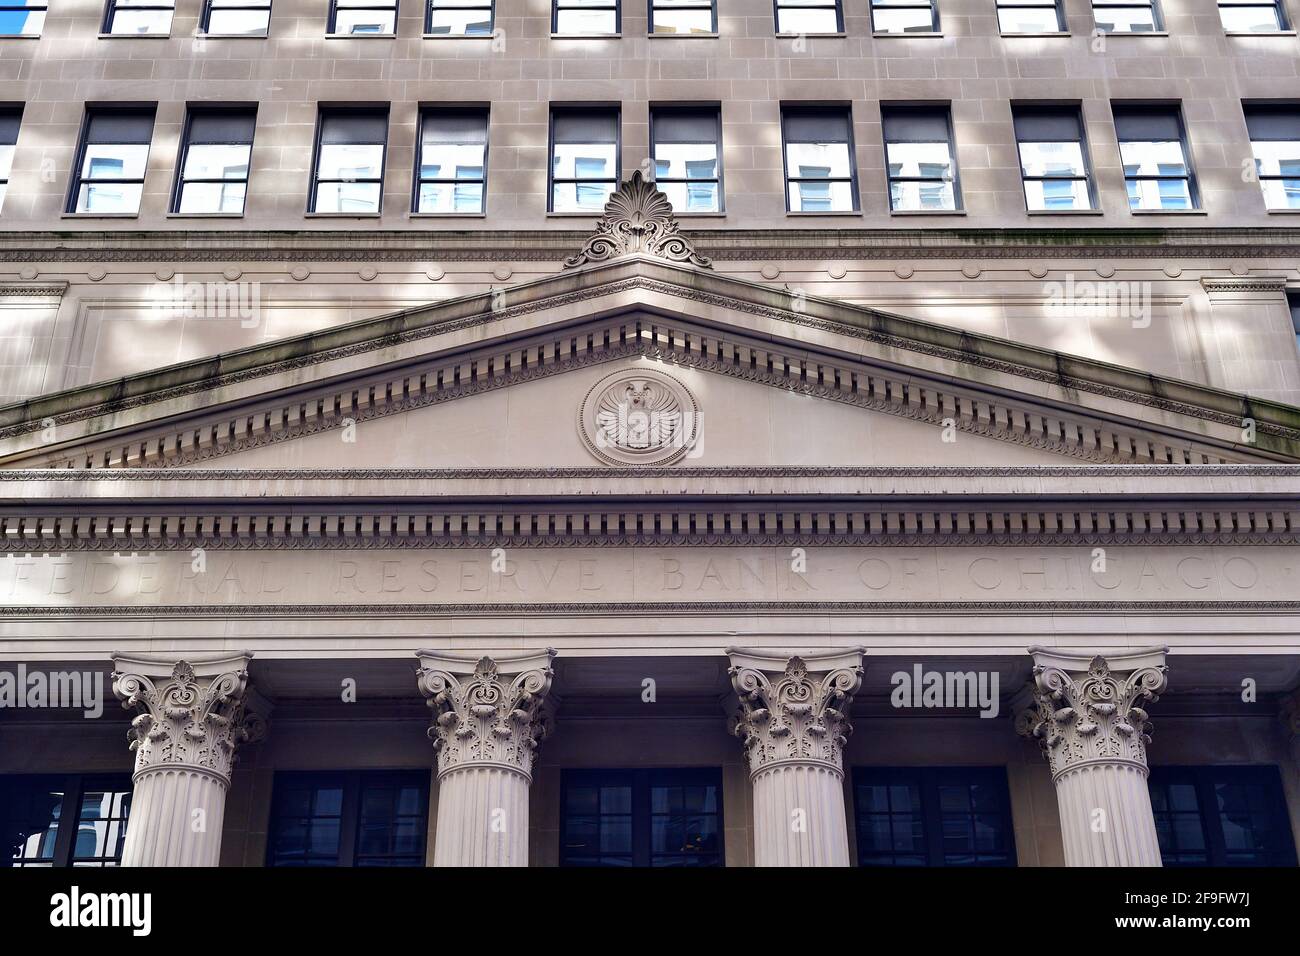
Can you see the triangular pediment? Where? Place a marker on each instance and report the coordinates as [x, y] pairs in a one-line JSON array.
[[778, 378]]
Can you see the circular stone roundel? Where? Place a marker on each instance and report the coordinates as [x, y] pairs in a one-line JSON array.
[[639, 417]]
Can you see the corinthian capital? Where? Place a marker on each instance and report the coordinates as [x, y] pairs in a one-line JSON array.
[[794, 709], [489, 711], [193, 714], [1085, 709]]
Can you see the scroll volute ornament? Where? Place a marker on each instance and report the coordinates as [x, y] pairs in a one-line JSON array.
[[796, 714], [638, 219], [1084, 713]]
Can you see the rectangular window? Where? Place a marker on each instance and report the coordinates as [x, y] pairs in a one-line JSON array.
[[139, 17], [22, 18], [1293, 303], [369, 818], [809, 16], [585, 18], [1221, 816], [213, 172], [651, 818], [904, 16], [820, 172], [363, 18], [959, 816], [11, 118], [451, 172], [1251, 16], [1126, 16], [1275, 138], [236, 18], [348, 172], [687, 149], [584, 158], [63, 820], [920, 158], [1053, 158], [1030, 16], [459, 18], [683, 16], [111, 161], [1153, 150]]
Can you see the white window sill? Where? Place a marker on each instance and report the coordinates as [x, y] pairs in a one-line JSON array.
[[586, 36], [100, 215], [447, 215], [1264, 33], [20, 36], [927, 35], [361, 36], [230, 36], [135, 36], [838, 212], [343, 215], [700, 215], [576, 215], [1136, 33], [1284, 212], [1168, 212], [1064, 212], [457, 36], [1030, 36], [927, 212], [683, 36], [810, 36], [205, 215]]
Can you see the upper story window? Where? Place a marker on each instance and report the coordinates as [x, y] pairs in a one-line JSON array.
[[348, 172], [139, 17], [1293, 303], [904, 16], [1030, 16], [1153, 150], [11, 118], [1126, 16], [1275, 139], [363, 18], [451, 173], [820, 172], [809, 16], [920, 159], [584, 157], [213, 171], [22, 18], [459, 18], [236, 18], [63, 820], [583, 18], [111, 160], [372, 818], [1221, 816], [687, 149], [1252, 16], [913, 816], [683, 16], [1053, 158], [641, 818]]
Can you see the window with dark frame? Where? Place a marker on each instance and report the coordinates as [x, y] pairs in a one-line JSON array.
[[808, 17], [451, 170], [582, 18], [1153, 150], [1030, 16], [820, 167], [1221, 816], [22, 18], [584, 166], [654, 818], [924, 816], [236, 18], [111, 161], [11, 118], [1293, 303], [683, 16], [1053, 158], [459, 18], [348, 169], [1274, 131], [920, 158], [64, 820], [1126, 16], [686, 145], [363, 18], [139, 17], [353, 818], [212, 176], [1251, 16], [904, 16]]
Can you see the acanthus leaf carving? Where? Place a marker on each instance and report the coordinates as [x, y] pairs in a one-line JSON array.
[[638, 219]]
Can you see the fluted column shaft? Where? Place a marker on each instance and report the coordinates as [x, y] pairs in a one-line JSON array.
[[482, 817], [166, 807], [1084, 712]]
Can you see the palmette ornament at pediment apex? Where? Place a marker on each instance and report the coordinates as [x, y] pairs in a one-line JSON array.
[[638, 219]]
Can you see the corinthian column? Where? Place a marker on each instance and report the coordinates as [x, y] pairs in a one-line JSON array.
[[794, 721], [1084, 712], [489, 717], [192, 718]]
